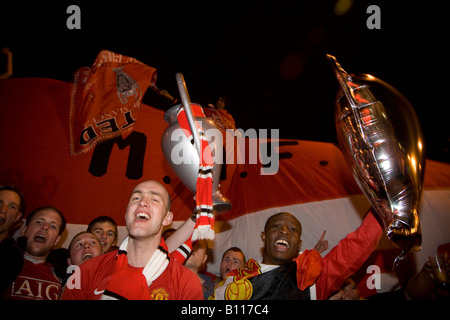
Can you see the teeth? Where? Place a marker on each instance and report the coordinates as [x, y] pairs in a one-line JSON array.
[[143, 216], [87, 256], [282, 242], [39, 238]]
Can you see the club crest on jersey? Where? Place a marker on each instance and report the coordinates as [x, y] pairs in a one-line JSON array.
[[159, 294]]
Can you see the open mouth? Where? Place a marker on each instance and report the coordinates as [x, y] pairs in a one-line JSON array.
[[39, 238], [282, 245], [142, 216], [87, 256]]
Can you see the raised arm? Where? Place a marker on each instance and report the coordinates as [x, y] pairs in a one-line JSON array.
[[348, 256], [181, 235]]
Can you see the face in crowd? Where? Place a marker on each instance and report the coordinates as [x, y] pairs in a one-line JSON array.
[[281, 239], [10, 211], [83, 247], [148, 210], [43, 231], [232, 259], [106, 232]]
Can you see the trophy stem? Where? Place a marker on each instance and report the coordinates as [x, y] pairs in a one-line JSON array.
[[186, 101]]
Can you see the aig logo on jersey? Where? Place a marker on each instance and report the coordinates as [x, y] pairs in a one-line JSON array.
[[36, 289], [159, 294]]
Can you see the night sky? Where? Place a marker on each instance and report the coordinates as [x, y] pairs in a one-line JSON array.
[[267, 58]]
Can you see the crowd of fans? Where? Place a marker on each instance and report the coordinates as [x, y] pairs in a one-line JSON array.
[[151, 265]]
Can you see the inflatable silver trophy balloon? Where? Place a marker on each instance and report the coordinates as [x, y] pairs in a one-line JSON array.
[[381, 139], [187, 171]]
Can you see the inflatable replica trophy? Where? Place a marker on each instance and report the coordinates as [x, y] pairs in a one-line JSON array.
[[187, 147], [381, 140]]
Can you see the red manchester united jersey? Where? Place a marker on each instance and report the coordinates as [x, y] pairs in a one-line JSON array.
[[92, 278]]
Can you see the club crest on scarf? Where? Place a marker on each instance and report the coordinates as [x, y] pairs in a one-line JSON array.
[[126, 86], [98, 114], [237, 286], [239, 290]]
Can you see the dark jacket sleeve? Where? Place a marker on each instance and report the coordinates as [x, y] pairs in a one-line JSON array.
[[12, 263]]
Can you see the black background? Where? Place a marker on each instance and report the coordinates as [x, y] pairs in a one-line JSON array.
[[267, 58]]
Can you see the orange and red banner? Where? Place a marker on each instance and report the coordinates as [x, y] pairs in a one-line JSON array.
[[106, 99]]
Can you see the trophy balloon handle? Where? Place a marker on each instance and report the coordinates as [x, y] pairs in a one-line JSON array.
[[399, 258]]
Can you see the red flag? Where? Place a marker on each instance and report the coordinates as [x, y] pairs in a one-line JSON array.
[[106, 99]]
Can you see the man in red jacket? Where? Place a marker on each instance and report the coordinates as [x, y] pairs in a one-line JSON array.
[[284, 274], [141, 268]]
